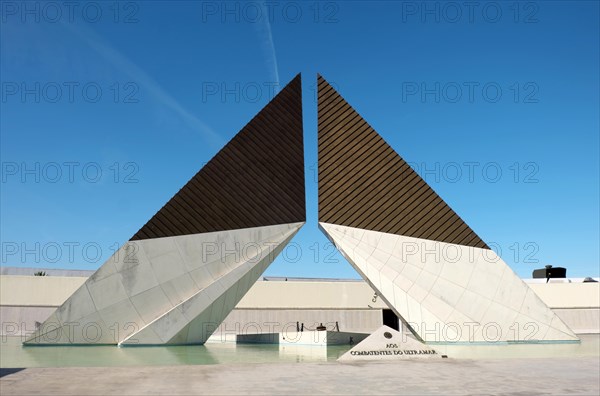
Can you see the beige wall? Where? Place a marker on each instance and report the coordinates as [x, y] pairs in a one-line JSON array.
[[54, 290], [25, 300], [41, 291], [315, 295], [568, 295], [249, 321]]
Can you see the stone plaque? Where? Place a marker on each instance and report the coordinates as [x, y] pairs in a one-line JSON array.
[[388, 344]]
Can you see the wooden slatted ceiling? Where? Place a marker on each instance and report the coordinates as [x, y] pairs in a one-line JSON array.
[[256, 180], [364, 183]]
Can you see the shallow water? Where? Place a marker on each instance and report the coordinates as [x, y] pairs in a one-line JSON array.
[[13, 354], [589, 346]]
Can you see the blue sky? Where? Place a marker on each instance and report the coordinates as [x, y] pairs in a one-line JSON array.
[[107, 110]]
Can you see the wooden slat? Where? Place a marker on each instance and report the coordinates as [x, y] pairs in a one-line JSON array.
[[362, 185], [256, 180]]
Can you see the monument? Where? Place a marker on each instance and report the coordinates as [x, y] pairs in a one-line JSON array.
[[182, 273], [426, 263]]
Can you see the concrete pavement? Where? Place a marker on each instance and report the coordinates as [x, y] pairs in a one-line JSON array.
[[550, 376]]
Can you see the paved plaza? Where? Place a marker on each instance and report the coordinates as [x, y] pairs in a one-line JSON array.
[[556, 376]]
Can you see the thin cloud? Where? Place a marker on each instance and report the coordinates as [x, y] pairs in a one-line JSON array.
[[149, 84], [267, 44]]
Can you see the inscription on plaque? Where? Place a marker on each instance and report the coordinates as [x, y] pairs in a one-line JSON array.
[[388, 344]]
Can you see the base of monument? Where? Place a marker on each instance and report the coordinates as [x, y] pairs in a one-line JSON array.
[[388, 344], [322, 338]]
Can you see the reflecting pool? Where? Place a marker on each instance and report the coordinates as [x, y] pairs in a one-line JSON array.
[[13, 354]]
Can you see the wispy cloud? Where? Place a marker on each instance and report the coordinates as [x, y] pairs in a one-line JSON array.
[[267, 44], [143, 79]]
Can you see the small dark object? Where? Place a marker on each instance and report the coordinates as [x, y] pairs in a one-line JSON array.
[[302, 328], [550, 272], [8, 371], [337, 326], [387, 335], [390, 319], [321, 327], [589, 279], [298, 327], [445, 356]]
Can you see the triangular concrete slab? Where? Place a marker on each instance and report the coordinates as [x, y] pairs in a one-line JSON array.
[[193, 320]]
